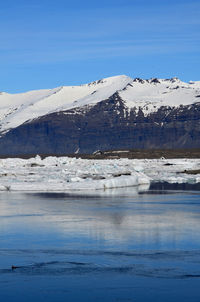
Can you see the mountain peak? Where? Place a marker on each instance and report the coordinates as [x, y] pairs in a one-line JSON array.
[[110, 80], [148, 95]]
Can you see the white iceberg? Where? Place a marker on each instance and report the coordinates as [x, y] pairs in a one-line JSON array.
[[68, 174], [71, 174]]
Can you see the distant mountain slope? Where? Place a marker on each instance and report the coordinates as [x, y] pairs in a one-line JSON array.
[[113, 113], [15, 109]]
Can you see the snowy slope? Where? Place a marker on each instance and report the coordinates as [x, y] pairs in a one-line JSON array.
[[149, 95], [15, 109]]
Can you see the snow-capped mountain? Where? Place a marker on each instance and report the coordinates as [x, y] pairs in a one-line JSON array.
[[116, 112], [15, 109], [148, 95]]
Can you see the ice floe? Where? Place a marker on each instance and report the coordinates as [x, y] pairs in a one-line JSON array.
[[169, 170], [74, 174], [67, 174]]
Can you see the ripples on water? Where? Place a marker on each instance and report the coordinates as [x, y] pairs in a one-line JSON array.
[[125, 245], [152, 263]]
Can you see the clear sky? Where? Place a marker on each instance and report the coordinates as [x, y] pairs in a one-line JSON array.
[[49, 43]]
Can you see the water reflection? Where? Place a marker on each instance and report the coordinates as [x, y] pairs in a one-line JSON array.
[[123, 192], [129, 246], [163, 187], [140, 221]]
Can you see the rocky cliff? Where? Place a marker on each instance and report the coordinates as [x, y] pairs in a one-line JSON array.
[[108, 124]]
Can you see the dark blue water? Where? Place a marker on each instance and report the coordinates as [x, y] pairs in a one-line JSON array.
[[111, 247]]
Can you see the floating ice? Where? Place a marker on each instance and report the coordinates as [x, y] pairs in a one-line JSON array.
[[71, 174], [67, 174], [169, 170]]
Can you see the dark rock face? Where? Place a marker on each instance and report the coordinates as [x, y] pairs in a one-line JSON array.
[[105, 126]]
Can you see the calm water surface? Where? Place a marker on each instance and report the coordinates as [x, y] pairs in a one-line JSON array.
[[116, 246]]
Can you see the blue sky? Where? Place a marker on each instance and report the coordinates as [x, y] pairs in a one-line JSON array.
[[46, 44]]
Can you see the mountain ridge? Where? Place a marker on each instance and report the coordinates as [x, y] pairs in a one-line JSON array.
[[15, 109], [112, 113]]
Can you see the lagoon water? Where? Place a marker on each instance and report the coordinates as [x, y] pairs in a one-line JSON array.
[[120, 245]]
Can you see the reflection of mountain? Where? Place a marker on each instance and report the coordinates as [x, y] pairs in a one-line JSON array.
[[151, 221], [113, 113]]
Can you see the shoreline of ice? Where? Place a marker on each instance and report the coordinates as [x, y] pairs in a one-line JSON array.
[[64, 174]]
